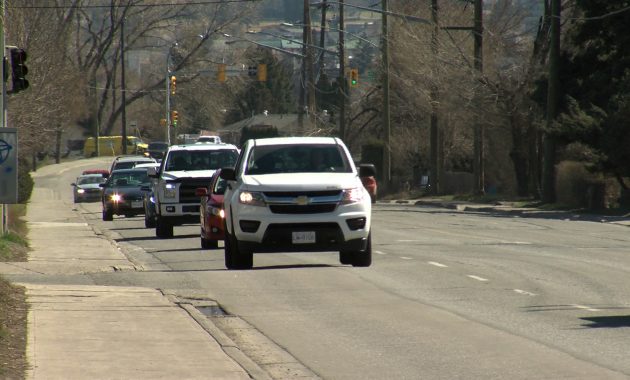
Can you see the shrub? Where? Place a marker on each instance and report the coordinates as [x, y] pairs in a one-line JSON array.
[[25, 182]]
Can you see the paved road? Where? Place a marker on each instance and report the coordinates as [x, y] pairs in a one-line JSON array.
[[449, 295]]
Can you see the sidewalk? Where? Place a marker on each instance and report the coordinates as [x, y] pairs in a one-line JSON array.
[[103, 332]]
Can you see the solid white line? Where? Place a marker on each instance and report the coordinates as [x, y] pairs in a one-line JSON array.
[[380, 253], [524, 292], [478, 278], [406, 241], [438, 264], [582, 307], [406, 258]]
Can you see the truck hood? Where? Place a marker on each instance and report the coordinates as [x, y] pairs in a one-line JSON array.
[[301, 181], [175, 175]]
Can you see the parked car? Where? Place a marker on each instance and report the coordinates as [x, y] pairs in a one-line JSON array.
[[87, 187], [156, 149], [122, 193], [211, 211], [129, 161], [369, 182]]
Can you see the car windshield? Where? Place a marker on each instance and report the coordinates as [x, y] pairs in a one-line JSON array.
[[322, 158], [91, 180], [201, 159], [131, 178]]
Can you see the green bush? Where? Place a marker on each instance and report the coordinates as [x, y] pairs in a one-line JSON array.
[[25, 182]]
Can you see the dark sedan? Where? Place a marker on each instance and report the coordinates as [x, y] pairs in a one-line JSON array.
[[123, 194]]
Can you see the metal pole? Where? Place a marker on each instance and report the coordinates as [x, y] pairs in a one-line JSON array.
[[434, 176], [3, 124], [479, 134], [122, 85], [309, 60], [387, 169], [342, 82], [168, 99], [322, 37]]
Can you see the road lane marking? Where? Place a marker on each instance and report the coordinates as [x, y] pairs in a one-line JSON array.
[[478, 278], [406, 258], [438, 264], [525, 292], [407, 241], [380, 253], [582, 307]]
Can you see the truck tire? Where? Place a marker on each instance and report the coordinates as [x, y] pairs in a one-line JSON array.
[[346, 257], [363, 258], [163, 229], [235, 257], [108, 215]]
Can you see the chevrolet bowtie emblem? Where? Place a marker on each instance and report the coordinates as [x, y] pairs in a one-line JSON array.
[[302, 200]]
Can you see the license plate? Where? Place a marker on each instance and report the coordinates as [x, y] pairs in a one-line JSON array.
[[136, 204], [303, 237]]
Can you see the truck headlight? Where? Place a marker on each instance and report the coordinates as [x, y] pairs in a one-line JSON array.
[[251, 198], [80, 191], [353, 195], [170, 190], [116, 198]]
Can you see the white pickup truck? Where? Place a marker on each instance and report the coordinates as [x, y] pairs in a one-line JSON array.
[[296, 194], [184, 169]]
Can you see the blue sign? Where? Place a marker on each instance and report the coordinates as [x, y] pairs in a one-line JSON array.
[[8, 165]]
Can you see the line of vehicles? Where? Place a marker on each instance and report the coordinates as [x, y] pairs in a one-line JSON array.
[[282, 194]]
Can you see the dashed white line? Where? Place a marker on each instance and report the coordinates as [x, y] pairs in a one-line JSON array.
[[525, 292], [582, 307], [380, 253], [434, 263], [406, 258], [478, 278]]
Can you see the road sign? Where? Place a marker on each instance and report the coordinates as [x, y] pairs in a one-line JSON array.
[[8, 165]]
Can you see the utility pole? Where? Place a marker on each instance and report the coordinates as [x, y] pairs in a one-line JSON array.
[[479, 133], [387, 154], [553, 95], [436, 167], [310, 74], [122, 85], [342, 82], [3, 124], [322, 37]]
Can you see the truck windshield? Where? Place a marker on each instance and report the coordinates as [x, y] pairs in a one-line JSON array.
[[182, 160], [324, 158]]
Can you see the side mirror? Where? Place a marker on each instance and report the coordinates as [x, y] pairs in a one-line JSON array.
[[201, 192], [228, 174], [367, 170], [152, 172]]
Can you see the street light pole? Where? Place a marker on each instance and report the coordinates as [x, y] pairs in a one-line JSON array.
[[387, 166], [342, 82], [123, 87]]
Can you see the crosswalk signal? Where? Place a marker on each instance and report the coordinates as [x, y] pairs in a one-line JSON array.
[[18, 69], [173, 84], [354, 77], [252, 71], [174, 117]]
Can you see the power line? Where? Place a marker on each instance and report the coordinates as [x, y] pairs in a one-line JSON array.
[[198, 2]]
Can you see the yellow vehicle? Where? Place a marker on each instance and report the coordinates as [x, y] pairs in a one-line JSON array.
[[112, 146]]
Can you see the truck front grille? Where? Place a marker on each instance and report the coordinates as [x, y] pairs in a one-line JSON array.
[[187, 189]]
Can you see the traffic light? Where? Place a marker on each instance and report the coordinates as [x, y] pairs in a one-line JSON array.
[[354, 77], [262, 72], [174, 117], [18, 69], [221, 72], [173, 84], [252, 71]]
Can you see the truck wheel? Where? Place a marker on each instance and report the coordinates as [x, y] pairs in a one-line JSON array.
[[236, 258], [346, 257], [363, 258], [163, 229], [149, 222], [108, 215]]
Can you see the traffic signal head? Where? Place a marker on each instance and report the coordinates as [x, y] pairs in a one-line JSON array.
[[174, 117], [354, 77], [262, 72], [252, 71], [173, 84], [18, 69]]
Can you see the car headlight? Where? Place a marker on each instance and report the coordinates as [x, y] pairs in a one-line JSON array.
[[217, 211], [80, 191], [116, 198], [170, 190], [354, 195], [251, 198]]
